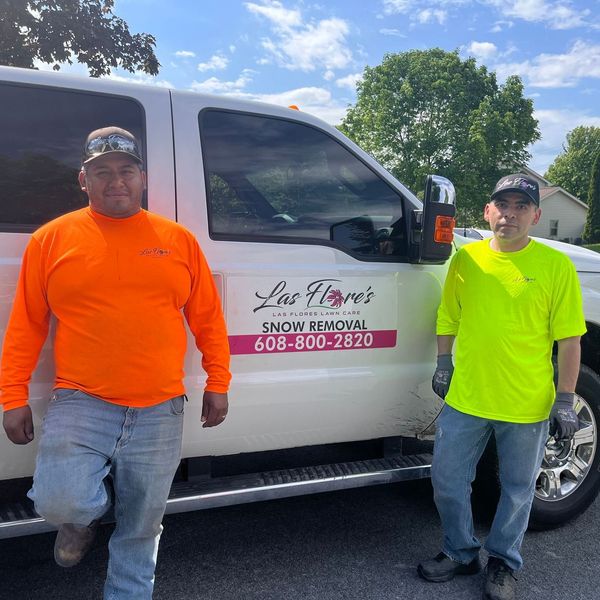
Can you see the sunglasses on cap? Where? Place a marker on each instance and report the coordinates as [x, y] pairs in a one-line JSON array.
[[111, 143]]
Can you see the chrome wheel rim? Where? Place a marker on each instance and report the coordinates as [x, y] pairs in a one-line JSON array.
[[566, 464]]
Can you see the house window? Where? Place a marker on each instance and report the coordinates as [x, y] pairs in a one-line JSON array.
[[554, 228]]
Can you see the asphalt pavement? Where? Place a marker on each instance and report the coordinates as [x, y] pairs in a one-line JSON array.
[[359, 544]]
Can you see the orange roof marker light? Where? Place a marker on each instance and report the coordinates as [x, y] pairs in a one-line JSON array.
[[444, 229], [293, 107]]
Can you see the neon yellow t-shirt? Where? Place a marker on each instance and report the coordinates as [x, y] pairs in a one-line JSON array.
[[506, 309]]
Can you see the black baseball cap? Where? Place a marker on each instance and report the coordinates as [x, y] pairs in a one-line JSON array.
[[518, 183], [110, 140]]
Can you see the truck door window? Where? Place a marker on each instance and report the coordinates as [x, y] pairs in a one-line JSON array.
[[42, 131], [273, 180]]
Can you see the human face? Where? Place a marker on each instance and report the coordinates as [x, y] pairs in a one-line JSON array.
[[114, 184], [511, 216]]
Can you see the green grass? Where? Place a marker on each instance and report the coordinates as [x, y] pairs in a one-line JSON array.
[[594, 247]]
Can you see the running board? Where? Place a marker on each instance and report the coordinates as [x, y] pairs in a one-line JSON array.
[[19, 519]]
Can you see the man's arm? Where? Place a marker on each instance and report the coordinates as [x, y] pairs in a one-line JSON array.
[[447, 323], [205, 318], [445, 343], [569, 358], [18, 424], [26, 332], [563, 418], [444, 368], [214, 408]]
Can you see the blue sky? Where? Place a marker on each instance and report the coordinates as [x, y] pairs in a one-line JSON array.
[[311, 53]]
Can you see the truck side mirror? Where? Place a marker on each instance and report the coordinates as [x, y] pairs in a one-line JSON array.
[[432, 229]]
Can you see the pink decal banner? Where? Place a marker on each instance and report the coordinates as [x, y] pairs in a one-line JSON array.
[[312, 342]]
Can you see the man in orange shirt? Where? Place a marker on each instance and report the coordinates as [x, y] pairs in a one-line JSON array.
[[121, 282]]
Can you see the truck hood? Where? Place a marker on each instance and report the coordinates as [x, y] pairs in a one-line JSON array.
[[585, 261]]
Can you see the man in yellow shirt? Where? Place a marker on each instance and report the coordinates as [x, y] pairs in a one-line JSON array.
[[506, 300], [121, 283]]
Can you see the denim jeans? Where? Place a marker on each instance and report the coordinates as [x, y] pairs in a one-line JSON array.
[[459, 443], [85, 442]]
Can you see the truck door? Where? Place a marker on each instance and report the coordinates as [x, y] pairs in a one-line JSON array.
[[331, 329]]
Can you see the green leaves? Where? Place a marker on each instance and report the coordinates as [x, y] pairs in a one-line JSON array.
[[60, 31], [422, 112], [573, 167], [591, 231]]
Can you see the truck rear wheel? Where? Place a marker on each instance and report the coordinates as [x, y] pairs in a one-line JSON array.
[[569, 478]]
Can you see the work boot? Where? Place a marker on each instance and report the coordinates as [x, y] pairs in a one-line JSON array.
[[443, 568], [73, 542], [500, 581]]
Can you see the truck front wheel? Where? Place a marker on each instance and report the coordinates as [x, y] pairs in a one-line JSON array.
[[569, 478]]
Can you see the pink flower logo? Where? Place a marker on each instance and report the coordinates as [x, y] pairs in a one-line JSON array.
[[335, 298]]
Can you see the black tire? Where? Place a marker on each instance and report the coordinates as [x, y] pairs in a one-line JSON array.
[[577, 489], [547, 513]]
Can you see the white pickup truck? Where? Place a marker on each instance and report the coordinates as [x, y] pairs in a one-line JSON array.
[[330, 272]]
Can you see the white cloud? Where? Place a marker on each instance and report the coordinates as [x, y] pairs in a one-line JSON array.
[[119, 75], [232, 48], [394, 32], [392, 7], [216, 62], [429, 15], [297, 45], [76, 68], [412, 7], [557, 70], [328, 75], [185, 54], [313, 100], [275, 12], [482, 50], [501, 26], [305, 96], [214, 85], [349, 81], [558, 14], [554, 126], [422, 11], [141, 79]]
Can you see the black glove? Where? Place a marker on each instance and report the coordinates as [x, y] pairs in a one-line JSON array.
[[563, 418], [443, 375]]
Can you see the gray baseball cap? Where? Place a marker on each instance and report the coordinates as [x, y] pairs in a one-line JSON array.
[[110, 140]]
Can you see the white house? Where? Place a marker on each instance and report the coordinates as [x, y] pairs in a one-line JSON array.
[[563, 215]]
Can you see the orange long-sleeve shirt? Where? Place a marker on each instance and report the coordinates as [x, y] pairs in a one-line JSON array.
[[119, 289]]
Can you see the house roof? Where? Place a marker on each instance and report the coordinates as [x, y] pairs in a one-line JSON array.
[[546, 192], [535, 175], [548, 189]]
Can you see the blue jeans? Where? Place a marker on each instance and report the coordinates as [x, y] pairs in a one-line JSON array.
[[85, 441], [459, 443]]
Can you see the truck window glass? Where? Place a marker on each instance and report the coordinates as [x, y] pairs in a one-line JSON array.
[[274, 180], [41, 139]]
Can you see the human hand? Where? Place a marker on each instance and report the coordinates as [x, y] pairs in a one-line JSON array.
[[18, 424], [443, 375], [214, 408], [564, 422]]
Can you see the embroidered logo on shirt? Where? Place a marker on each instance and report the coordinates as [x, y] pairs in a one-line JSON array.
[[155, 252], [524, 279]]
